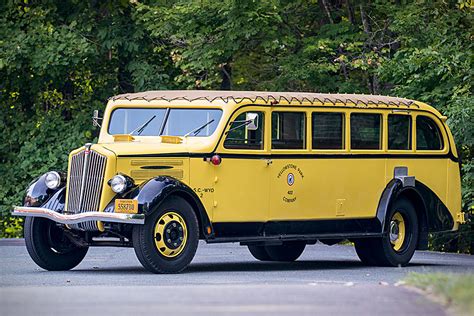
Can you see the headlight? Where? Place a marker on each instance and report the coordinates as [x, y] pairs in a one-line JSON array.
[[118, 183], [52, 180]]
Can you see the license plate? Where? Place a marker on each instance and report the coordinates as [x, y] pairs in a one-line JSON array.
[[127, 206]]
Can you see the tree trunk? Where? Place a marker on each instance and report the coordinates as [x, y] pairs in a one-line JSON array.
[[375, 84], [124, 77], [226, 74], [328, 12], [350, 12], [365, 19]]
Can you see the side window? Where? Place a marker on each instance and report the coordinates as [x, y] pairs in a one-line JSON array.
[[399, 132], [328, 130], [365, 131], [428, 136], [288, 130], [240, 137]]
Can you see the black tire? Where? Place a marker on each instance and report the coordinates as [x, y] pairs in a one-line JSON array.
[[49, 247], [380, 251], [144, 240], [289, 251], [364, 249], [259, 253]]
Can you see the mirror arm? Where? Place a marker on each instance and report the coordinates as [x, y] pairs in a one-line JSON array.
[[96, 118], [245, 123]]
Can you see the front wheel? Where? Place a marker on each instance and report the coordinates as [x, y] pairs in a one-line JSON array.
[[397, 246], [49, 247], [168, 240]]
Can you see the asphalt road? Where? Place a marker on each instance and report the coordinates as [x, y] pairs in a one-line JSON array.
[[223, 279]]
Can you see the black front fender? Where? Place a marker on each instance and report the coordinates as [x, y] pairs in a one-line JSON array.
[[38, 193], [153, 192]]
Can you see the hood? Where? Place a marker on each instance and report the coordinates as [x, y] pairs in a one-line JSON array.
[[142, 148]]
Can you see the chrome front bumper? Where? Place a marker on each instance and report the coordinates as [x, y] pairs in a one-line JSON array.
[[80, 217]]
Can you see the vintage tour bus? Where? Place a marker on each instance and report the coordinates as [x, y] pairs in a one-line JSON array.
[[272, 171]]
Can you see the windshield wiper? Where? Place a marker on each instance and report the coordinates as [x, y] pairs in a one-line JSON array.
[[199, 129], [142, 127]]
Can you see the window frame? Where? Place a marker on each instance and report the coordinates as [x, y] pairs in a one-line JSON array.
[[307, 130], [236, 113], [383, 135], [412, 133], [344, 129], [163, 124], [442, 132]]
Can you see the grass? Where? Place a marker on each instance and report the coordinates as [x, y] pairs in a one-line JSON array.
[[457, 290]]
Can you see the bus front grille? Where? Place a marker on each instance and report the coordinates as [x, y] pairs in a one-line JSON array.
[[85, 181]]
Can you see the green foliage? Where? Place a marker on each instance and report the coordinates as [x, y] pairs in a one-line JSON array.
[[59, 60], [455, 290]]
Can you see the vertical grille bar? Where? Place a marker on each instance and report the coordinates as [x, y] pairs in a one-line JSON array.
[[86, 178]]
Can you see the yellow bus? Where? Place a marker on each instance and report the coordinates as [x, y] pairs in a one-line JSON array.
[[274, 171]]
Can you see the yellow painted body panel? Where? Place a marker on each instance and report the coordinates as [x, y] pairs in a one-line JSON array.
[[326, 188], [136, 168], [241, 191], [252, 189]]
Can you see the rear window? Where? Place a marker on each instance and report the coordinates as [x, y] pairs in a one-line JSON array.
[[328, 130], [288, 130], [428, 136], [366, 130]]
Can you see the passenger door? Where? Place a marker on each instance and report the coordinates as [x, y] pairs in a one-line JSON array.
[[290, 195], [241, 180]]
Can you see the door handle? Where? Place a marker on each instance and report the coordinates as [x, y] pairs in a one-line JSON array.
[[268, 161]]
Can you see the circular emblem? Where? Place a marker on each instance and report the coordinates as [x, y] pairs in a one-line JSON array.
[[290, 179]]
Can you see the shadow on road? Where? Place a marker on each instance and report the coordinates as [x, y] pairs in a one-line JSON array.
[[256, 267]]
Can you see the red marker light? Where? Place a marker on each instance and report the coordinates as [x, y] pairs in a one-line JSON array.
[[216, 160]]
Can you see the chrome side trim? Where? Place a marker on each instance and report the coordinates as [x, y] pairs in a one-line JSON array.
[[80, 217]]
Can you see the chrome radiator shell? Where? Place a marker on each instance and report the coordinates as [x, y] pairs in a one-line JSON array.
[[85, 182]]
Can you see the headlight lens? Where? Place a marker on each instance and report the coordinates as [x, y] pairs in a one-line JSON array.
[[52, 180], [118, 183]]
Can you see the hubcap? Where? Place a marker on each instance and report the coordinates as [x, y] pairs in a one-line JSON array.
[[170, 234], [397, 231]]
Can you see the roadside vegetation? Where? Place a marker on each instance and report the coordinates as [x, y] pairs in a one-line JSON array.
[[59, 60], [455, 291]]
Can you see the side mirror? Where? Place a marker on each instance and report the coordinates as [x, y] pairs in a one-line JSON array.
[[96, 118], [252, 118]]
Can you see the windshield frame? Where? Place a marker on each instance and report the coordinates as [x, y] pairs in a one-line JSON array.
[[166, 117]]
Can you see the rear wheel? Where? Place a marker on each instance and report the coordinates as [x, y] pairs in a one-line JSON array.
[[397, 246], [289, 251], [49, 247], [259, 253], [168, 240]]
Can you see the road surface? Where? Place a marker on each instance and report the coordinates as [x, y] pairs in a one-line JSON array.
[[223, 279]]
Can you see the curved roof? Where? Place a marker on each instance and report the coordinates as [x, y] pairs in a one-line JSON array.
[[267, 97]]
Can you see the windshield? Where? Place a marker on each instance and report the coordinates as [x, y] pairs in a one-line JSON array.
[[173, 122]]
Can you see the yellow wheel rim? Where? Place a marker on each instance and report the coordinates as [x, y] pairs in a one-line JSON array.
[[171, 234], [397, 231]]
